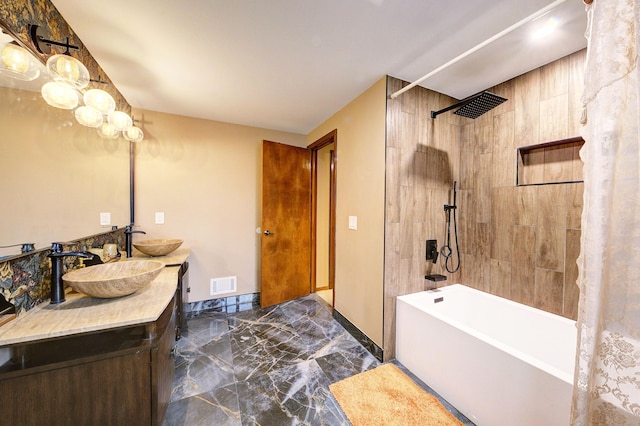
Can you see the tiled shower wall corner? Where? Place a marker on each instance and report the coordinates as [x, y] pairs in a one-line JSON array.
[[522, 242], [422, 162], [518, 242], [25, 280]]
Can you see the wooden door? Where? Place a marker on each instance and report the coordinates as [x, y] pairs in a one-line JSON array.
[[286, 223]]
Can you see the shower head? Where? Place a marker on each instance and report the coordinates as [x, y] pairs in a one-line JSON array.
[[474, 106]]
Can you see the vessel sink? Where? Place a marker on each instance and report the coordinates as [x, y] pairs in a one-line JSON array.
[[159, 247], [113, 279]]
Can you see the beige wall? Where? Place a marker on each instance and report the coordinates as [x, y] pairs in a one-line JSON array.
[[205, 177], [360, 192], [57, 176], [323, 170]]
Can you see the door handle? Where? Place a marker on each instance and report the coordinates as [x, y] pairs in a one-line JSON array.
[[267, 232]]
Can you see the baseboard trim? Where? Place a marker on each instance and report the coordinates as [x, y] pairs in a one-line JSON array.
[[229, 304], [362, 338]]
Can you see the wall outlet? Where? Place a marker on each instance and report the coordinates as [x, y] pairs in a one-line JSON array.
[[159, 218], [105, 219]]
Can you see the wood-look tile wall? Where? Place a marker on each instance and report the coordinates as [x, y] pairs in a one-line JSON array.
[[518, 242], [522, 242], [422, 162]]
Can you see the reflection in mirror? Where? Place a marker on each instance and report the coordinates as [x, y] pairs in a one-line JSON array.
[[57, 178]]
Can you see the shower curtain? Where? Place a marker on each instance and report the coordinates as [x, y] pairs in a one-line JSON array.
[[607, 381]]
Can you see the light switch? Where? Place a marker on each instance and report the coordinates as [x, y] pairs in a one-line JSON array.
[[159, 218], [353, 222], [105, 219]]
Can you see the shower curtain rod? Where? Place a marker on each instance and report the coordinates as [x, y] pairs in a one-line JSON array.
[[479, 46]]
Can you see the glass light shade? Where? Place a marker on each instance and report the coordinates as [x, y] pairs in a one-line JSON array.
[[17, 63], [88, 116], [107, 131], [133, 134], [100, 100], [60, 95], [69, 70], [120, 120]]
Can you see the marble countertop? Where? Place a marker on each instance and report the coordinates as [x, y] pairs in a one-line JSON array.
[[81, 313]]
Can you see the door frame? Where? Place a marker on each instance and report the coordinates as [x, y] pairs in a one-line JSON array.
[[329, 138]]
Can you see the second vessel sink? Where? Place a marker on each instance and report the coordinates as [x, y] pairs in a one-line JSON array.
[[158, 247], [113, 279]]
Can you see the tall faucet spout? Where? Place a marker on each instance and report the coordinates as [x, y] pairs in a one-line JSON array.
[[56, 256], [128, 230]]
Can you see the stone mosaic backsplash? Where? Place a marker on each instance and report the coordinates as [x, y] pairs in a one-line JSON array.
[[25, 280]]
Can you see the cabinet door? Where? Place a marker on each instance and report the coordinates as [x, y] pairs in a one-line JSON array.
[[113, 391], [163, 370]]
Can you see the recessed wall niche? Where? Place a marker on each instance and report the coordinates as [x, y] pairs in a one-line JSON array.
[[551, 162]]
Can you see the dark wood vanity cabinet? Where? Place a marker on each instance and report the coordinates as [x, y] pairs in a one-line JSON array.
[[163, 365], [181, 299], [115, 377]]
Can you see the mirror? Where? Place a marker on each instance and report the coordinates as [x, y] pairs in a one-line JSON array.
[[58, 178]]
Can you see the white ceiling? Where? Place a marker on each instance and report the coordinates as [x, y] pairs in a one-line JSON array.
[[290, 64]]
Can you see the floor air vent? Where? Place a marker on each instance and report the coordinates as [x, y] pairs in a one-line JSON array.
[[222, 285]]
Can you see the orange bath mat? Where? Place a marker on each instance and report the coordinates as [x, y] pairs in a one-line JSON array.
[[386, 396]]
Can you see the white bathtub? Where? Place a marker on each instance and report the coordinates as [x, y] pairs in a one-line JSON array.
[[497, 361]]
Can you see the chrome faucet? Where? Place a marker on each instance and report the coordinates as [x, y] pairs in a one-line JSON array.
[[56, 255], [128, 230]]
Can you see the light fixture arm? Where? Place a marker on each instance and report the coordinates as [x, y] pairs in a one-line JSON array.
[[40, 38]]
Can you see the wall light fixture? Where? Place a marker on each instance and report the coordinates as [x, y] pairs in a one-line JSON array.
[[17, 63], [120, 120], [88, 116], [107, 131], [60, 95], [133, 134], [99, 100], [71, 78]]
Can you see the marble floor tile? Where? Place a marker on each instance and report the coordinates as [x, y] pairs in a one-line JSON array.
[[261, 347], [294, 395], [267, 367], [341, 365], [314, 324], [216, 407], [204, 327], [200, 369]]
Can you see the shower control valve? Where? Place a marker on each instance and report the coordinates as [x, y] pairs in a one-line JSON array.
[[432, 250]]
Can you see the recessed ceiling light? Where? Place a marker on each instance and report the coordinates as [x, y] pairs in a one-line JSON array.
[[547, 28]]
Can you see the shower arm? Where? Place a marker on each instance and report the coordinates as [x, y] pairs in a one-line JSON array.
[[462, 103]]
